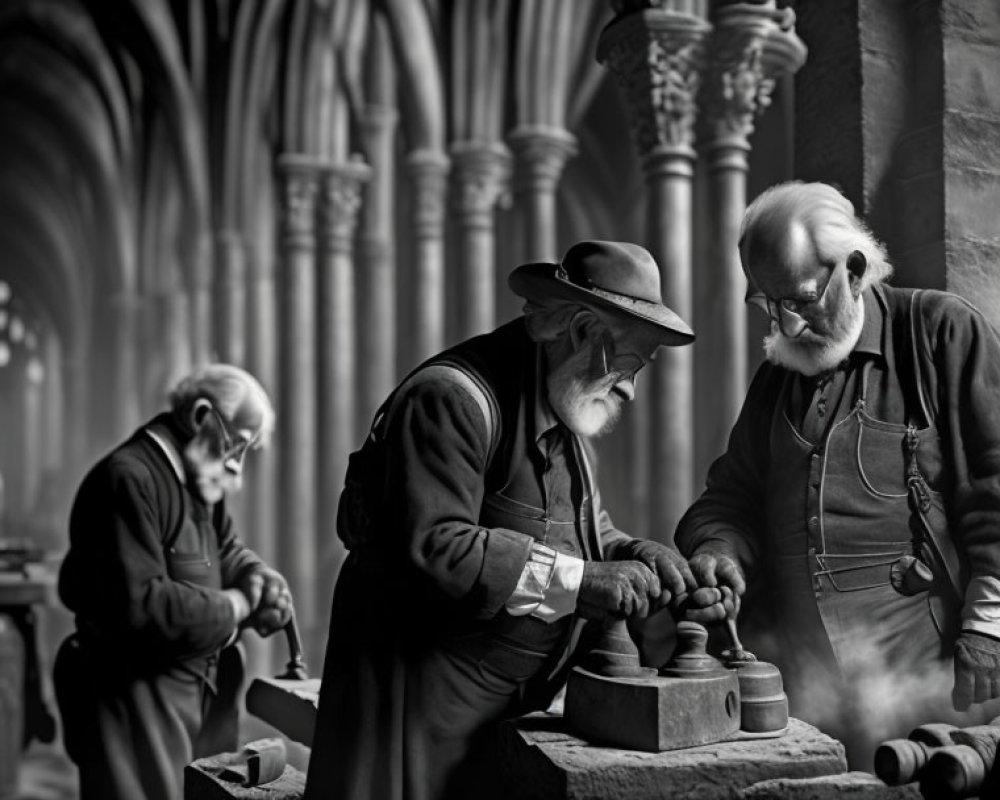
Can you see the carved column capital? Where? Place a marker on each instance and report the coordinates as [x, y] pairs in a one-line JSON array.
[[428, 169], [378, 120], [341, 201], [300, 176], [481, 172], [753, 44], [657, 56], [541, 152]]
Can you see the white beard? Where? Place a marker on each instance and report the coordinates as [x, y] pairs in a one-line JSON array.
[[586, 408], [810, 354]]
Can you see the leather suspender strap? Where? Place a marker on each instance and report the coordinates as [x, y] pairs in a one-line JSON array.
[[942, 549], [453, 373]]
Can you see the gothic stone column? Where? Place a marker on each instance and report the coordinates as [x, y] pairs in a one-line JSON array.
[[428, 170], [340, 201], [480, 174], [541, 152], [230, 297], [752, 44], [657, 55], [377, 257], [296, 402]]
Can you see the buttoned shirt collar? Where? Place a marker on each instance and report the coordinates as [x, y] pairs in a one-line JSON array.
[[871, 342]]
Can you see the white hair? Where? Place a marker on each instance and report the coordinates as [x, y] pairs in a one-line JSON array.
[[233, 391], [825, 214]]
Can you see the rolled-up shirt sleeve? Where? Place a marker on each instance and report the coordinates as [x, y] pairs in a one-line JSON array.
[[548, 586]]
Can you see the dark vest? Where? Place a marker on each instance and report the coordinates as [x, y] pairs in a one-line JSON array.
[[839, 518]]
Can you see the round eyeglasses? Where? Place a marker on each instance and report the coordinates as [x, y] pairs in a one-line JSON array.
[[786, 312]]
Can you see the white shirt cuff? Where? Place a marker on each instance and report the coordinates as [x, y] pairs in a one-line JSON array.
[[548, 586], [982, 606]]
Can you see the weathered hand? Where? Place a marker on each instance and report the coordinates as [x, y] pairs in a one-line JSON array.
[[270, 600], [617, 589], [712, 570], [667, 564], [977, 670]]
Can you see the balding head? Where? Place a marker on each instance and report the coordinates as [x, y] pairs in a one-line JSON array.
[[795, 226], [234, 392]]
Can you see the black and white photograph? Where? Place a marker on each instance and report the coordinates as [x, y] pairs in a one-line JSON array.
[[499, 399]]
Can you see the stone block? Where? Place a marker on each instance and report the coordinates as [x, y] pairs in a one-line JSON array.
[[971, 19], [288, 705], [971, 273], [972, 80], [920, 204], [653, 713], [856, 785], [201, 782], [539, 760], [973, 199], [971, 140]]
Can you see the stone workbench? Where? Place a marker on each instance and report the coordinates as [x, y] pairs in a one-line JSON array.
[[539, 760]]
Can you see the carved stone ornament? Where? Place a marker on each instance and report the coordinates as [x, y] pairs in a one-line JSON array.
[[737, 89], [428, 170], [657, 61], [541, 154], [341, 202], [752, 45], [299, 185], [481, 173]]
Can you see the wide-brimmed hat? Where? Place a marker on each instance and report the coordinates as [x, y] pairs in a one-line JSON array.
[[616, 277]]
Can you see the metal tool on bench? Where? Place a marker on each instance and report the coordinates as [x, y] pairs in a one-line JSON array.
[[295, 669], [693, 699], [763, 703], [258, 763]]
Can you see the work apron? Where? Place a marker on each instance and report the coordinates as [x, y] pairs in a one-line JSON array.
[[132, 728], [839, 520]]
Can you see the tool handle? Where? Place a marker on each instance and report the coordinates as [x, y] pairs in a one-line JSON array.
[[296, 667]]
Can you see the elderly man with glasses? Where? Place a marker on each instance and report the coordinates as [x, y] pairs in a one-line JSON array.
[[160, 587], [479, 547], [862, 480]]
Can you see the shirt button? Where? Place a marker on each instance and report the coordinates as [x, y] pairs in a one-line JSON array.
[[813, 522]]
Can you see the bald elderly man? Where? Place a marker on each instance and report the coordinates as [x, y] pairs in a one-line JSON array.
[[862, 477]]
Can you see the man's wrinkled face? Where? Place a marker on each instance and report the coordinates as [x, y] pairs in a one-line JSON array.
[[589, 389], [815, 317], [213, 458]]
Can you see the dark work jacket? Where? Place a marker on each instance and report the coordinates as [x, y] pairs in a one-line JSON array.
[[419, 636], [956, 369], [143, 575]]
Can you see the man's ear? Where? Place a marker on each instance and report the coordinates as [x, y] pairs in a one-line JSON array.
[[857, 266], [582, 327], [199, 411]]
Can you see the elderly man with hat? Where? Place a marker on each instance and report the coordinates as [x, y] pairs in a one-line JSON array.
[[861, 484], [478, 545]]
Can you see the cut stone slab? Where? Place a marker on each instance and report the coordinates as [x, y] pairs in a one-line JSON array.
[[288, 705], [540, 760], [202, 783], [852, 785]]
